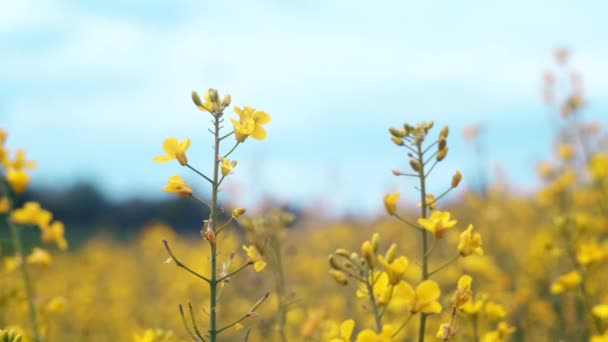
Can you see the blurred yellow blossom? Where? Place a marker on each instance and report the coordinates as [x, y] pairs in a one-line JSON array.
[[20, 163], [600, 311], [424, 298], [227, 166], [55, 233], [346, 331], [390, 203], [32, 213], [469, 243], [368, 335], [255, 257], [568, 281], [495, 311], [39, 256], [176, 185], [18, 179]]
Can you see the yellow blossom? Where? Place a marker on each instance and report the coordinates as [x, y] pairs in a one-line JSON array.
[[463, 291], [495, 311], [437, 223], [17, 179], [369, 335], [227, 166], [390, 203], [250, 123], [32, 213], [174, 150], [600, 311], [176, 185], [445, 332], [502, 331], [255, 257], [56, 305], [469, 243], [565, 151], [568, 281], [600, 338], [346, 331], [55, 233], [20, 163], [383, 291], [430, 201], [598, 166], [11, 263], [424, 298], [5, 205], [589, 253], [39, 256], [472, 307], [395, 269]]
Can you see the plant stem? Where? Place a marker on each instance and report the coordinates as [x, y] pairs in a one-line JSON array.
[[372, 301], [29, 292], [425, 256], [213, 283]]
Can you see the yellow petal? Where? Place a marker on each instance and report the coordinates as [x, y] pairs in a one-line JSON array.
[[171, 145], [259, 133], [261, 117], [428, 290]]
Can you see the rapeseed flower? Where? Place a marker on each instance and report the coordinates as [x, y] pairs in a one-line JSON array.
[[255, 257], [568, 281], [250, 123], [18, 180], [469, 243], [423, 298], [174, 149], [227, 166], [395, 269], [176, 185], [390, 203], [437, 223], [346, 331], [32, 213]]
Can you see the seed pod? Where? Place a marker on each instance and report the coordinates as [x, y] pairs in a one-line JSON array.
[[444, 132], [339, 276], [398, 141], [441, 155], [456, 179], [415, 165], [196, 99]]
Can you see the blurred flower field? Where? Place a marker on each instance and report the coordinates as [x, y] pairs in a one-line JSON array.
[[461, 265]]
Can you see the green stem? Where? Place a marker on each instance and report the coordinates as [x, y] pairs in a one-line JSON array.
[[231, 150], [372, 301], [409, 223], [26, 280], [403, 325], [425, 256], [199, 173], [444, 265], [213, 332], [226, 136], [181, 313], [201, 200], [180, 264], [194, 325], [235, 272]]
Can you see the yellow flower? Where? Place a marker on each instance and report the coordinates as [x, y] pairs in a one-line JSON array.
[[176, 185], [495, 311], [368, 335], [56, 305], [600, 311], [589, 253], [20, 163], [39, 256], [395, 269], [390, 203], [346, 331], [445, 332], [250, 123], [568, 281], [11, 263], [600, 338], [565, 151], [383, 291], [148, 336], [437, 223], [430, 201], [55, 233], [598, 166], [255, 257], [424, 298], [227, 166], [32, 213], [469, 243], [472, 307], [502, 331], [174, 150], [5, 205], [463, 291], [17, 179]]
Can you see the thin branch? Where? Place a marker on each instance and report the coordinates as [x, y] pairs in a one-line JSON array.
[[198, 333], [199, 173], [181, 312], [226, 136], [180, 264], [232, 150], [409, 223], [235, 272], [444, 265]]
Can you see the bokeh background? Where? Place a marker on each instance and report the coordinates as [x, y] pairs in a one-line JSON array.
[[90, 89]]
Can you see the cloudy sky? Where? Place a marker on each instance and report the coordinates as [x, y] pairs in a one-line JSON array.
[[91, 88]]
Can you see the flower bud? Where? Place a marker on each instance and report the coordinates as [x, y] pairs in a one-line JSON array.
[[339, 276], [209, 236], [226, 100], [391, 253], [213, 97], [441, 155], [396, 172], [396, 140], [196, 99], [442, 143], [456, 178], [399, 133], [368, 253], [238, 212], [415, 165], [444, 132], [375, 242]]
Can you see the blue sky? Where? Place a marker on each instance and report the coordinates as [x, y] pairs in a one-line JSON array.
[[91, 88]]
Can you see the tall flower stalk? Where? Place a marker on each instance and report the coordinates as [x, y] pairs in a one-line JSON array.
[[249, 124]]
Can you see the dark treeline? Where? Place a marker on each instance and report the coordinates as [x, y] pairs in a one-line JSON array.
[[86, 211]]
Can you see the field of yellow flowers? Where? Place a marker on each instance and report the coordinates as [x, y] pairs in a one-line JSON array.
[[462, 265]]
